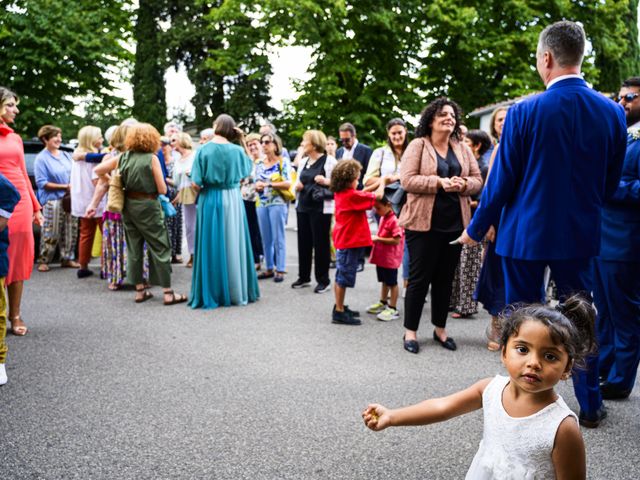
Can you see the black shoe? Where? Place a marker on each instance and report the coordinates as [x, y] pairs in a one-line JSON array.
[[321, 288], [343, 318], [592, 421], [266, 274], [353, 313], [84, 273], [449, 344], [360, 267], [609, 392], [411, 346], [300, 284]]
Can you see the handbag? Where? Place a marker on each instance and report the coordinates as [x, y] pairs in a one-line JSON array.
[[167, 207], [66, 202], [320, 193], [115, 198], [289, 195], [397, 197]]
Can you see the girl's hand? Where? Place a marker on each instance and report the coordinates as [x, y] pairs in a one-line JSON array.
[[38, 219], [376, 417]]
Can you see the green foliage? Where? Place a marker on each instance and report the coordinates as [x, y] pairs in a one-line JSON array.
[[57, 55], [148, 75]]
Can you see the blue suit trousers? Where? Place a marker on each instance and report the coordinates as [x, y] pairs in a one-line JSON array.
[[617, 296], [524, 282]]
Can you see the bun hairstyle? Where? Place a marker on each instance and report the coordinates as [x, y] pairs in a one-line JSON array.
[[571, 324]]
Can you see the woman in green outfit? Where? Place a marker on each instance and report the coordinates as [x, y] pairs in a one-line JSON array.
[[142, 214], [223, 268]]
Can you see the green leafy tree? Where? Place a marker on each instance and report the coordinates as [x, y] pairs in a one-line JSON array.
[[149, 94], [58, 55]]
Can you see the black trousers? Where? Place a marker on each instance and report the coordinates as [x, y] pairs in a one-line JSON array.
[[313, 239], [254, 230], [432, 262]]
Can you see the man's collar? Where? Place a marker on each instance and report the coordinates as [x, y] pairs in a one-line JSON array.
[[562, 77]]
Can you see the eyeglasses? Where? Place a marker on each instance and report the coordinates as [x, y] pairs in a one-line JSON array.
[[629, 97], [265, 142]]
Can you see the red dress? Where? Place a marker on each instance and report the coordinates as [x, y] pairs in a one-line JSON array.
[[20, 226]]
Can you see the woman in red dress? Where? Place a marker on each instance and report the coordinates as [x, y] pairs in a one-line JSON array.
[[21, 247]]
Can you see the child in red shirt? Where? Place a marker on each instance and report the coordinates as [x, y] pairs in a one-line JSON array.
[[351, 232], [386, 255]]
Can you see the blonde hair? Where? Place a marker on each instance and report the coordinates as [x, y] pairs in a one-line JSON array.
[[252, 137], [317, 138], [118, 137], [184, 140], [6, 96], [87, 136]]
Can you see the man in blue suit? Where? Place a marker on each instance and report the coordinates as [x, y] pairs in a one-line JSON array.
[[560, 157], [617, 270]]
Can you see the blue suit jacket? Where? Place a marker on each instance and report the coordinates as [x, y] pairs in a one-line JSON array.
[[621, 213], [362, 154], [560, 157], [9, 198]]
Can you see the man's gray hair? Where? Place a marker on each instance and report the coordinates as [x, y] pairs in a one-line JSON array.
[[270, 126], [566, 42], [175, 125], [207, 133]]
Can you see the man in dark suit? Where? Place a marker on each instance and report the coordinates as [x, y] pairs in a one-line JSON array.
[[560, 157], [351, 149], [617, 270]]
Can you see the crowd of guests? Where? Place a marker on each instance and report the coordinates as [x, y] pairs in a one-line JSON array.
[[415, 203]]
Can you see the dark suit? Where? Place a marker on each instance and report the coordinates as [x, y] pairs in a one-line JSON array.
[[362, 154], [617, 277], [9, 198], [560, 157]]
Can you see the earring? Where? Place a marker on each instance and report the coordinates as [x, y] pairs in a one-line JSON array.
[[566, 376]]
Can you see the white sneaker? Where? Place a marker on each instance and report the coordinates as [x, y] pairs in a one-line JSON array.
[[3, 374], [388, 314]]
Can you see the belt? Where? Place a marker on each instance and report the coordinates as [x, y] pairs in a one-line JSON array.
[[141, 195]]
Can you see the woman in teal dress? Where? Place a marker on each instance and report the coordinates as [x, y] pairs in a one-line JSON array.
[[223, 268]]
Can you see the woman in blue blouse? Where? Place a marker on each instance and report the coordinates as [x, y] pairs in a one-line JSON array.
[[223, 268], [272, 207], [52, 172]]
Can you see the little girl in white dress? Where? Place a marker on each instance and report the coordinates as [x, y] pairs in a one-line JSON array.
[[529, 432]]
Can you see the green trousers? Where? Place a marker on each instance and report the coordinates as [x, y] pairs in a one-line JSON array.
[[143, 221]]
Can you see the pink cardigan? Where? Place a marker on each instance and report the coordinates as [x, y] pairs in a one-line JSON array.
[[419, 178]]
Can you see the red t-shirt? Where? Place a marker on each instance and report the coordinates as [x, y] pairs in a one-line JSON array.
[[352, 228], [388, 256]]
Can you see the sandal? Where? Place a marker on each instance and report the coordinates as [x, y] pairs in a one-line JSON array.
[[114, 286], [43, 267], [18, 330], [146, 295], [266, 274], [175, 298]]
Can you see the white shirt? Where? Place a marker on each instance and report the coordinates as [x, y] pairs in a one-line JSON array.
[[562, 77], [347, 154], [82, 189]]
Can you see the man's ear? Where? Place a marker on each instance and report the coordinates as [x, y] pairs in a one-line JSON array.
[[548, 59]]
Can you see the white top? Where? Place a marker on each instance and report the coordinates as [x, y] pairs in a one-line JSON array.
[[181, 171], [347, 153], [82, 189], [382, 162], [516, 448]]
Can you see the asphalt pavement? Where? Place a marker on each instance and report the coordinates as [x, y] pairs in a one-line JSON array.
[[102, 388]]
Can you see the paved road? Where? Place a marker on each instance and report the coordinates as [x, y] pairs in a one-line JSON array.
[[102, 388]]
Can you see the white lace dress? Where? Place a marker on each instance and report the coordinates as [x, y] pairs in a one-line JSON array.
[[516, 448]]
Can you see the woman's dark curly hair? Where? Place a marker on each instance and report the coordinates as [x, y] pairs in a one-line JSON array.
[[428, 114], [344, 174], [571, 324]]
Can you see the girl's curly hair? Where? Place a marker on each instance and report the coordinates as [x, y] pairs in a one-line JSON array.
[[571, 324], [344, 174], [430, 112]]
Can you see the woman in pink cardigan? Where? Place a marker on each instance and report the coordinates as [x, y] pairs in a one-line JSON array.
[[439, 174]]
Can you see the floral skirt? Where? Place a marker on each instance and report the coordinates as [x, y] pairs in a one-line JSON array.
[[114, 250], [464, 283]]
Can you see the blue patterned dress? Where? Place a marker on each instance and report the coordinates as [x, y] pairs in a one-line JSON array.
[[223, 268]]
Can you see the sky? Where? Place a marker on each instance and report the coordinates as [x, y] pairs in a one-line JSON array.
[[289, 63]]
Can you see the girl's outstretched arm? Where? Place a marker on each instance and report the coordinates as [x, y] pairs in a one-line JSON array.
[[568, 452], [377, 417]]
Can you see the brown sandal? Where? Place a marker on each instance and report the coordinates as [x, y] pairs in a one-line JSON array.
[[18, 330], [175, 298], [146, 295]]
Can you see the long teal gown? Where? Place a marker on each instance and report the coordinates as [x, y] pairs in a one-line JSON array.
[[223, 268]]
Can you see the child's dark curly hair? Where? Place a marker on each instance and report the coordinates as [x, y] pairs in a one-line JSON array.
[[344, 174], [570, 324]]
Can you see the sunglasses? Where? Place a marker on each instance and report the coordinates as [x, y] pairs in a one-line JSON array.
[[629, 97], [265, 142]]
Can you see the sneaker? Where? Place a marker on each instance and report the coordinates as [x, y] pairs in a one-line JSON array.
[[353, 313], [388, 314], [300, 284], [360, 267], [343, 318], [3, 374], [321, 288], [376, 308]]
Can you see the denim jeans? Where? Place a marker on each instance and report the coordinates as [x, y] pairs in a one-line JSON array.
[[272, 220]]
